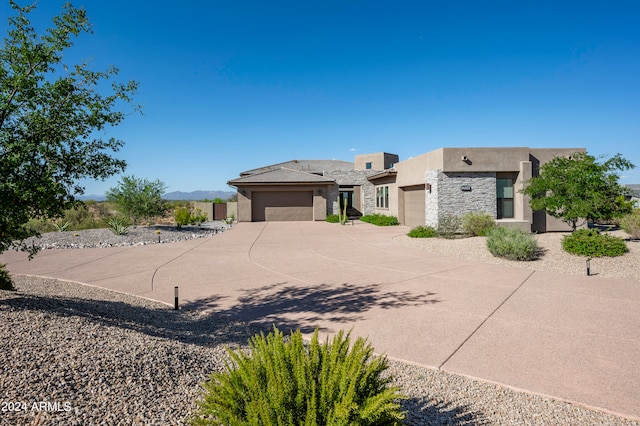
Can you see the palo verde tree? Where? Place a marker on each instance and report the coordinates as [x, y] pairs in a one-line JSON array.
[[138, 198], [53, 116], [579, 187]]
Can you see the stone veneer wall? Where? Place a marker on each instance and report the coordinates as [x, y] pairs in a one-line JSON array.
[[448, 199], [352, 177]]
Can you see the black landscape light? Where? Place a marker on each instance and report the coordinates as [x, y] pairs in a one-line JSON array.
[[175, 306], [588, 266]]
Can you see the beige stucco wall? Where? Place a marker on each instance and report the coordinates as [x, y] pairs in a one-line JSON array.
[[378, 160], [483, 159]]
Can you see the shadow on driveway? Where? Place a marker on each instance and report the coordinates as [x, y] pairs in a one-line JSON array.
[[292, 307]]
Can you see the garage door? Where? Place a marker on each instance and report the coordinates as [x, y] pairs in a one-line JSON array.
[[414, 206], [274, 206]]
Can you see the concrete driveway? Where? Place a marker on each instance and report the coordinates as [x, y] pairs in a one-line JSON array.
[[575, 338]]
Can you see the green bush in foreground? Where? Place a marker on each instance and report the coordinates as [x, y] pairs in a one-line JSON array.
[[284, 382], [5, 279], [477, 223], [380, 219], [631, 224], [422, 232], [512, 244], [589, 242], [333, 218]]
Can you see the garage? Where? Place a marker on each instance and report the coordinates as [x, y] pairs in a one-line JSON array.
[[414, 205], [278, 206]]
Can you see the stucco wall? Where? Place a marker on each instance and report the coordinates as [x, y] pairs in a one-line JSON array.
[[378, 160]]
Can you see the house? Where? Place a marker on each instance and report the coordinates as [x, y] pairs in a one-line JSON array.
[[634, 194], [419, 191]]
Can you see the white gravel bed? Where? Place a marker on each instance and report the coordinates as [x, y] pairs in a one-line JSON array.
[[88, 356], [135, 235], [553, 257]]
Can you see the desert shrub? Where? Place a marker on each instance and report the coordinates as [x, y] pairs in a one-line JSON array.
[[117, 225], [39, 226], [333, 218], [380, 219], [590, 242], [80, 218], [285, 382], [5, 279], [182, 216], [512, 243], [477, 223], [449, 226], [422, 232], [631, 224], [198, 216]]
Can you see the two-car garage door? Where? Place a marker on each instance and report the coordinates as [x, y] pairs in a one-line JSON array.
[[272, 206]]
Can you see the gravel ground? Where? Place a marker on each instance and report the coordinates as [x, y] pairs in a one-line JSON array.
[[139, 235], [553, 257], [81, 355]]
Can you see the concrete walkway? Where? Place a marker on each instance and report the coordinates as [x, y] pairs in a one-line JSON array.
[[575, 338]]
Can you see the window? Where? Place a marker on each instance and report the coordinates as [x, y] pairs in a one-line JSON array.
[[368, 165], [382, 197], [504, 191]]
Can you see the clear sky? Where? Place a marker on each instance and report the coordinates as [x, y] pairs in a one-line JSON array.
[[228, 86]]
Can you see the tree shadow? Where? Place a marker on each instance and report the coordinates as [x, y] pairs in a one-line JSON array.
[[205, 322], [423, 411], [292, 307]]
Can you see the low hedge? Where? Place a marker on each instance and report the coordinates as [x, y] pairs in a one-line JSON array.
[[380, 220], [590, 242], [422, 232]]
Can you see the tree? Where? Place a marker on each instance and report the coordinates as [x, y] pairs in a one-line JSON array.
[[138, 198], [579, 187], [51, 118]]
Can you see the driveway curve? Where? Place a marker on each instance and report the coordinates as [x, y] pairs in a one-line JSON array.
[[571, 337]]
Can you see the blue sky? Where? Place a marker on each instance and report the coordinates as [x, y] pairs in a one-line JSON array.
[[228, 86]]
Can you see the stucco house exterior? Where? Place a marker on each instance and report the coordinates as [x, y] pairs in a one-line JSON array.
[[418, 191]]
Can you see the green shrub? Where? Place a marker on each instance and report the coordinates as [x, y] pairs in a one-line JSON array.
[[589, 242], [60, 225], [182, 216], [80, 218], [477, 223], [333, 218], [449, 226], [5, 279], [198, 216], [284, 382], [117, 225], [422, 232], [631, 224], [380, 219], [512, 243]]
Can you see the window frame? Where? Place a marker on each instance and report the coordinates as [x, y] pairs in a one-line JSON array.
[[382, 196], [502, 201]]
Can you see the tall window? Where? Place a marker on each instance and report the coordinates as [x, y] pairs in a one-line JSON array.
[[504, 191], [382, 197]]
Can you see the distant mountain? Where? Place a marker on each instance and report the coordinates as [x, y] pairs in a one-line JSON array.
[[178, 195], [198, 195]]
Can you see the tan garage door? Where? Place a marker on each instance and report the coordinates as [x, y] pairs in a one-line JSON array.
[[414, 206], [274, 206]]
